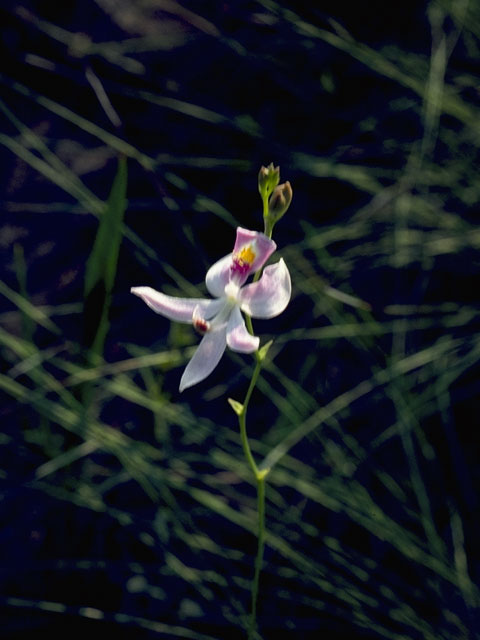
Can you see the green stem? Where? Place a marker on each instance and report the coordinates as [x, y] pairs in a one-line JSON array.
[[260, 550], [268, 227], [260, 476], [242, 418]]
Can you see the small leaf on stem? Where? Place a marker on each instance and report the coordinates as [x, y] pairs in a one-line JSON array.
[[236, 406], [262, 352]]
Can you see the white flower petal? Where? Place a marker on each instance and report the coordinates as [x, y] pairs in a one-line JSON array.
[[270, 295], [179, 309], [205, 358], [207, 309], [238, 338], [218, 276]]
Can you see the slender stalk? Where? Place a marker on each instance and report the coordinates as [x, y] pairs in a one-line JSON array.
[[260, 550], [268, 228], [242, 419], [260, 476]]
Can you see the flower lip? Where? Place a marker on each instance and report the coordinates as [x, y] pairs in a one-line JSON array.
[[243, 260], [253, 247], [249, 245]]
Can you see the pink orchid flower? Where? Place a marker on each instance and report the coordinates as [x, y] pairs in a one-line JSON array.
[[220, 319]]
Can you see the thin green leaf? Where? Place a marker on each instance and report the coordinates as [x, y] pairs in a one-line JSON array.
[[102, 263]]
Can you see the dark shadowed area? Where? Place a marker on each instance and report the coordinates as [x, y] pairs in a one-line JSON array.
[[131, 136]]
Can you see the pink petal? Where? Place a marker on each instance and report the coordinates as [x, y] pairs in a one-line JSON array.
[[218, 276], [270, 295], [262, 246], [179, 309], [238, 338], [205, 358]]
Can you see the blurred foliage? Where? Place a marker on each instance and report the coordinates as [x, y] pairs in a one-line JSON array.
[[127, 507]]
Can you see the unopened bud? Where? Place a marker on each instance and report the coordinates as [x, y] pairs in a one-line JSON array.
[[279, 201], [268, 178]]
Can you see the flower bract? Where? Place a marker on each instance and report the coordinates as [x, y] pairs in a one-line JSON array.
[[220, 319]]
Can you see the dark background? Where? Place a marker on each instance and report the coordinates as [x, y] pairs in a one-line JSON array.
[[131, 513]]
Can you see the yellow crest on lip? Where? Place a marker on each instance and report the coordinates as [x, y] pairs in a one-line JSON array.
[[246, 255]]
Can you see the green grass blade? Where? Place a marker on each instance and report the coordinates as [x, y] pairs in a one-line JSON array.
[[102, 263]]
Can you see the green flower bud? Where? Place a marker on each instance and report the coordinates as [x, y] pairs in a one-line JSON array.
[[268, 178], [279, 202]]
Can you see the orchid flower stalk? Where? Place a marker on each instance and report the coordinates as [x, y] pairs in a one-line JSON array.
[[219, 319]]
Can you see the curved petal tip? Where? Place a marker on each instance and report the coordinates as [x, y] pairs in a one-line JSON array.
[[269, 296]]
